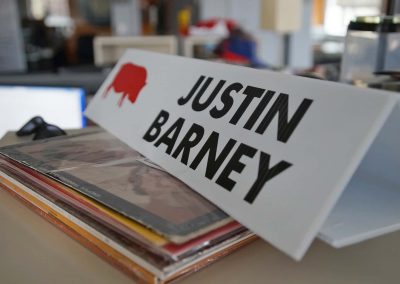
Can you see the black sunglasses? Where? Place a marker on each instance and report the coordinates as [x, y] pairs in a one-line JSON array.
[[40, 128]]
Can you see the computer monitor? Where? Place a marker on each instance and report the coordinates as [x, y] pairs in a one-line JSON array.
[[62, 106]]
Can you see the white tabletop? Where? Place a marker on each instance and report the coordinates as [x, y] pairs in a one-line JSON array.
[[34, 251]]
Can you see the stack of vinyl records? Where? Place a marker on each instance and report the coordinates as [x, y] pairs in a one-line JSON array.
[[120, 205]]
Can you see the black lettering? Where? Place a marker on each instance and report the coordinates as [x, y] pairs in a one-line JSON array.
[[250, 92], [175, 129], [189, 142], [234, 165], [226, 99], [285, 127], [197, 105], [155, 128], [214, 162], [184, 100], [265, 173], [259, 109]]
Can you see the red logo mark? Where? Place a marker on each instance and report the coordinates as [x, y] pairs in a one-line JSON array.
[[129, 81]]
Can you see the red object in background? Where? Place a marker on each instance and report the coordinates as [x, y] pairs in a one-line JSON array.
[[231, 56], [129, 81], [230, 24]]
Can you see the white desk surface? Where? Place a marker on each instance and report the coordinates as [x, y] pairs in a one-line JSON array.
[[34, 251]]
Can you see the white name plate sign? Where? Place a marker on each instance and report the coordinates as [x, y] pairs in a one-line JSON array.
[[273, 151]]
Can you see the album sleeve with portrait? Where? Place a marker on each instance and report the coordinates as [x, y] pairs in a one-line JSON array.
[[106, 170]]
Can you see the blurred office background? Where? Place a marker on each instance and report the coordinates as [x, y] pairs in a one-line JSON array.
[[74, 43]]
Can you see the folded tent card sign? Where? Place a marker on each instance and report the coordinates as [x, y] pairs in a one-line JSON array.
[[274, 151]]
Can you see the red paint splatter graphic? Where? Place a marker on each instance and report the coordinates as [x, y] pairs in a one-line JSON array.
[[129, 81]]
